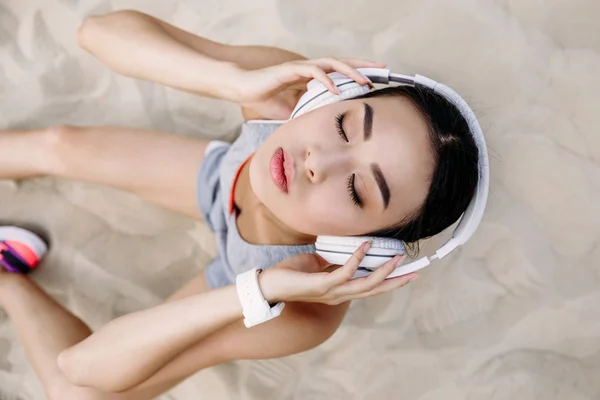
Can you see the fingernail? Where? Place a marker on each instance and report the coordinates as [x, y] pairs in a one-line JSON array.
[[366, 246], [413, 278], [399, 259]]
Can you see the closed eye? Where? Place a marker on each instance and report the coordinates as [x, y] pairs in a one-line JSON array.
[[352, 190], [339, 119]]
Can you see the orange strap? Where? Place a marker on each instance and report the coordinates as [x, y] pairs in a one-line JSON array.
[[235, 178]]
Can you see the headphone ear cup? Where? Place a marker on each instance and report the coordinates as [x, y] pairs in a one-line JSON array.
[[318, 95], [355, 241], [353, 90], [339, 249]]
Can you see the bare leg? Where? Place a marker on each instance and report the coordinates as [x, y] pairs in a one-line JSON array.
[[157, 166], [34, 312], [45, 329]]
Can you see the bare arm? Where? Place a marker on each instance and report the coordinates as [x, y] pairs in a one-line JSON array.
[[140, 46], [130, 349], [128, 352], [133, 348], [300, 327], [266, 81]]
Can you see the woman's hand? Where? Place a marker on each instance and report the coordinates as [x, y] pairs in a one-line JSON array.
[[309, 278], [261, 89]]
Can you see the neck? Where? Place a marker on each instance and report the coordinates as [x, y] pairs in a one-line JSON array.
[[258, 223]]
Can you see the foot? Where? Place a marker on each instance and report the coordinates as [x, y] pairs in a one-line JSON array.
[[20, 250]]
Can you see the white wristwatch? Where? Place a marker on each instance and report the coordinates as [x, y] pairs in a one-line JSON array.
[[255, 308]]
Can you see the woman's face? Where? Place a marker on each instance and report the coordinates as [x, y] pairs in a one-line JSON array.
[[346, 169]]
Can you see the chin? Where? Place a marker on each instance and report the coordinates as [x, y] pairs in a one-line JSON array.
[[260, 181]]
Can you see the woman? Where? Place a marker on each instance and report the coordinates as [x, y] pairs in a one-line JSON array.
[[419, 142]]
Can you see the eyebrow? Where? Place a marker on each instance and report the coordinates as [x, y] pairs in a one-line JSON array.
[[383, 186], [375, 168], [368, 122]]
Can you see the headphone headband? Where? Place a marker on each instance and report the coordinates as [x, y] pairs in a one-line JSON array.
[[474, 213]]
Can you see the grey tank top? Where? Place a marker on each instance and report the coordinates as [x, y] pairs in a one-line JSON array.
[[214, 188]]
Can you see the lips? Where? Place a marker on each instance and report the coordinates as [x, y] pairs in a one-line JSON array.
[[277, 170]]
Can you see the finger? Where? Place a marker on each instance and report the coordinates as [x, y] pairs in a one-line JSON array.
[[362, 63], [315, 71], [332, 64], [382, 272], [346, 272], [369, 282], [292, 73], [385, 286], [325, 79]]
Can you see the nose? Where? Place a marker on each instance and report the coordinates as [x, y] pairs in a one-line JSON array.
[[321, 165]]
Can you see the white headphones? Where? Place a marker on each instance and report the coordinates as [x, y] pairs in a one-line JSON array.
[[337, 250]]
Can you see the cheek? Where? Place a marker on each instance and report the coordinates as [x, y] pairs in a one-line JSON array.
[[325, 211]]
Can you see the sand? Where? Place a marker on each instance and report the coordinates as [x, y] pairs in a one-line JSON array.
[[513, 315]]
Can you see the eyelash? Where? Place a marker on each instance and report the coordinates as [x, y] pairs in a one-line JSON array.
[[339, 119], [352, 191]]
